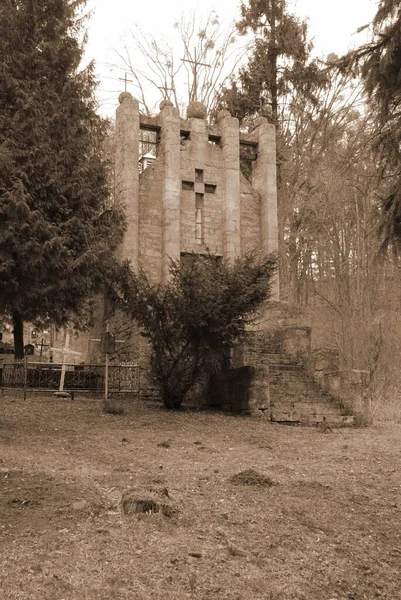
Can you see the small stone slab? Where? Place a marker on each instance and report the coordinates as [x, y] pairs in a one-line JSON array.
[[62, 395]]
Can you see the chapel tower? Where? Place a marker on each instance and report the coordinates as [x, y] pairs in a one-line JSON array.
[[193, 196]]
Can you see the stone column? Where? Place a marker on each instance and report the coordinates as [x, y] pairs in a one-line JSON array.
[[127, 173], [229, 128], [199, 137], [171, 193], [264, 181]]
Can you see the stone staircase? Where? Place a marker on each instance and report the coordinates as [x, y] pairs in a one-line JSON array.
[[275, 372], [295, 398]]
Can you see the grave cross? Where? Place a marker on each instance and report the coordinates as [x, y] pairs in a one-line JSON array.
[[196, 63], [126, 80], [65, 352], [108, 342]]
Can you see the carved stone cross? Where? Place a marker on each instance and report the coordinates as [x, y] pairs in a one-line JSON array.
[[200, 188]]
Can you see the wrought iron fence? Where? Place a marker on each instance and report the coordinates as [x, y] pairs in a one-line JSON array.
[[46, 376]]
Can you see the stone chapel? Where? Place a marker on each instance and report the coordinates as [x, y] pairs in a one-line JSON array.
[[193, 195], [183, 190]]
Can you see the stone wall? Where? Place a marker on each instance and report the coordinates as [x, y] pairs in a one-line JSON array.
[[201, 166], [243, 389], [150, 220], [351, 388], [194, 186], [250, 217]]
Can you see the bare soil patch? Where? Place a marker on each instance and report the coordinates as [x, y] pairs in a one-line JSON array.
[[161, 505]]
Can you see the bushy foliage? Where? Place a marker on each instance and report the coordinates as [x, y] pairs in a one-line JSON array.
[[194, 319], [56, 225]]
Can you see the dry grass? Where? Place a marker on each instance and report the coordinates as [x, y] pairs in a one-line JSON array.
[[81, 497], [386, 404]]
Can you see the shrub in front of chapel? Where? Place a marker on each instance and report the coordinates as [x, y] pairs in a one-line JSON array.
[[193, 321]]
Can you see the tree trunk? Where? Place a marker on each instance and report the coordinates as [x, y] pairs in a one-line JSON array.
[[172, 402], [274, 85], [18, 331]]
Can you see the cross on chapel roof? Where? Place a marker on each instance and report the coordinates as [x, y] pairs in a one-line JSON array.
[[196, 63]]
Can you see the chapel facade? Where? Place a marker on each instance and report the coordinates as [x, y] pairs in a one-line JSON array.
[[192, 195]]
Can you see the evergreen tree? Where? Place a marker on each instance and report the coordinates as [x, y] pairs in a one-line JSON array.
[[57, 228], [379, 65], [192, 321], [279, 62]]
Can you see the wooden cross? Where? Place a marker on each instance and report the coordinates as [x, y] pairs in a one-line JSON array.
[[196, 64], [65, 351], [165, 90], [126, 80], [106, 341]]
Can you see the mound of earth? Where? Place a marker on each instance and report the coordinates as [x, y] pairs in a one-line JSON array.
[[251, 477]]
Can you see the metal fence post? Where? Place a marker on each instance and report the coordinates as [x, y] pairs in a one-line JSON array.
[[106, 377], [2, 362], [25, 376]]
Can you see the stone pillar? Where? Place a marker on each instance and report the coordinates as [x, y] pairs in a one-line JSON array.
[[264, 181], [199, 138], [127, 173], [229, 128], [171, 193]]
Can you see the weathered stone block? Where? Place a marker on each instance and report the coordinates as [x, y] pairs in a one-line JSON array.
[[296, 340], [325, 359], [332, 382]]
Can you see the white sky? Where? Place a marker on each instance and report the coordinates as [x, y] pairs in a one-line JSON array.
[[332, 26]]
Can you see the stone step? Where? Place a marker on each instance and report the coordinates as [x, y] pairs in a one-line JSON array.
[[301, 393], [286, 368], [291, 379], [297, 387], [289, 375], [293, 372], [311, 406], [282, 359], [300, 399], [315, 419]]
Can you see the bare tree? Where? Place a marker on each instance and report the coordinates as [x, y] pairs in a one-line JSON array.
[[202, 56]]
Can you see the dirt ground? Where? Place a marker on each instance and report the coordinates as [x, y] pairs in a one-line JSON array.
[[162, 505]]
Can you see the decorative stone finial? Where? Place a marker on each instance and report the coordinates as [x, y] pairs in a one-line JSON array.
[[165, 103], [223, 114], [196, 110], [123, 96], [260, 121]]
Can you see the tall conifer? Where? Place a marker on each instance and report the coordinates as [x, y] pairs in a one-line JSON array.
[[57, 227], [278, 64]]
